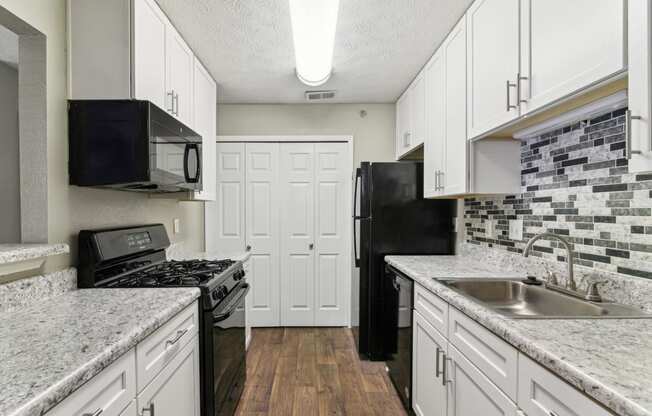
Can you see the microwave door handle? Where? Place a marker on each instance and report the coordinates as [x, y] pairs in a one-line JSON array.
[[198, 171], [186, 158]]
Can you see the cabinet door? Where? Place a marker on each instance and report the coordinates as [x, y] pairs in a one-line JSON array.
[[225, 217], [493, 64], [149, 53], [296, 186], [454, 177], [175, 391], [542, 393], [428, 391], [470, 393], [640, 87], [262, 231], [565, 52], [403, 124], [179, 72], [418, 111], [108, 393], [434, 144], [332, 239], [205, 123]]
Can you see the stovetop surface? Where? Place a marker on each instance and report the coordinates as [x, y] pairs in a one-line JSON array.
[[175, 273]]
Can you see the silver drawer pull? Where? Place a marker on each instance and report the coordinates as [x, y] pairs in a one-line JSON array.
[[552, 413], [149, 410], [444, 371], [508, 86], [98, 412], [174, 340], [437, 372], [628, 134]]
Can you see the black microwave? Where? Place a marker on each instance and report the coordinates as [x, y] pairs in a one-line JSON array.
[[131, 145]]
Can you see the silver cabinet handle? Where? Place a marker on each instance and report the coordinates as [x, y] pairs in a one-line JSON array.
[[174, 340], [436, 180], [509, 85], [176, 99], [441, 181], [149, 410], [552, 413], [98, 412], [520, 78], [311, 246], [444, 371], [628, 134], [171, 95], [437, 372], [406, 139]]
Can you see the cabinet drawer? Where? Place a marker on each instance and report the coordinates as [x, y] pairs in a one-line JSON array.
[[109, 392], [431, 307], [155, 351], [542, 393], [493, 356]]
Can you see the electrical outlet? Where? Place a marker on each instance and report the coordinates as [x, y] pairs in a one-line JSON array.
[[177, 225], [516, 230]]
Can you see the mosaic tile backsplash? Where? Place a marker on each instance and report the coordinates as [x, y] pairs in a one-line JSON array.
[[575, 183]]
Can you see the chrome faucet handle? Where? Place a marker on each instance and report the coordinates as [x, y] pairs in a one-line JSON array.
[[593, 292], [552, 278]]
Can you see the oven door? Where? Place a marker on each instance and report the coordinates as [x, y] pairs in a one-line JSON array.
[[229, 359]]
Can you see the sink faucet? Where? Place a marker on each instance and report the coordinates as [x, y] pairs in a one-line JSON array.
[[570, 285]]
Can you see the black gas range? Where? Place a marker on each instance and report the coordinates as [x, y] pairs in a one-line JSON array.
[[134, 257]]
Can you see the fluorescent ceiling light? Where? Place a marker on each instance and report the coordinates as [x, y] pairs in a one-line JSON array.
[[313, 28]]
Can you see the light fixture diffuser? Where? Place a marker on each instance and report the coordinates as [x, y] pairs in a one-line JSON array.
[[313, 29]]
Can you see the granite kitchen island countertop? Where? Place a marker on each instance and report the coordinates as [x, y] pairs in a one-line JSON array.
[[51, 348], [610, 360]]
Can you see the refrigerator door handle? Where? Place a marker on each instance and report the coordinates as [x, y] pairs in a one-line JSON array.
[[356, 218]]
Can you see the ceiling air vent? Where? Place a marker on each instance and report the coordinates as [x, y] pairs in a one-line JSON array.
[[319, 95]]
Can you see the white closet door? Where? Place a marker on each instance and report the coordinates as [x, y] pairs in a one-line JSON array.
[[332, 245], [262, 230], [297, 185], [225, 222]]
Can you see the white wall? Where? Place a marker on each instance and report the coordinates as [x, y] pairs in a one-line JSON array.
[[373, 135], [71, 208], [9, 156]]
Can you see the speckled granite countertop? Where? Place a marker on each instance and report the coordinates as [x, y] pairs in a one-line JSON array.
[[48, 350], [13, 253], [608, 359]]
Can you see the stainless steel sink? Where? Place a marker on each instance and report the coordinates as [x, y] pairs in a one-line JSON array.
[[516, 299]]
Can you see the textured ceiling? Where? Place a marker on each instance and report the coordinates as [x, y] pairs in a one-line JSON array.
[[247, 46], [8, 47]]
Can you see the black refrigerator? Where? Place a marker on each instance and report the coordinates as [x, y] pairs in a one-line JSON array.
[[391, 217]]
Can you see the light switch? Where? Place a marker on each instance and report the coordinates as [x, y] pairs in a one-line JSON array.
[[516, 230], [177, 225]]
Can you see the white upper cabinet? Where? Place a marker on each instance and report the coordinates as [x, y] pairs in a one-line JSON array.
[[567, 46], [454, 177], [640, 88], [418, 111], [434, 143], [178, 75], [149, 53], [403, 121], [205, 121], [493, 64]]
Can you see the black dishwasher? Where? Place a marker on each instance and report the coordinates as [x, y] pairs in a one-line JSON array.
[[400, 293]]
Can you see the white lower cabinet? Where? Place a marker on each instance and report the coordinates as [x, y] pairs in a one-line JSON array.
[[470, 392], [541, 393], [108, 393], [131, 387], [175, 391], [468, 371], [428, 391]]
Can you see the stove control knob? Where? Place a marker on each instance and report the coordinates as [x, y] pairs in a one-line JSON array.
[[215, 295]]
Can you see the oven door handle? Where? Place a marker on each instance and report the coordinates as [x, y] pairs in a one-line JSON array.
[[231, 307]]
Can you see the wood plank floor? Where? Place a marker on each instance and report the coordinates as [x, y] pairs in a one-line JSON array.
[[313, 371]]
